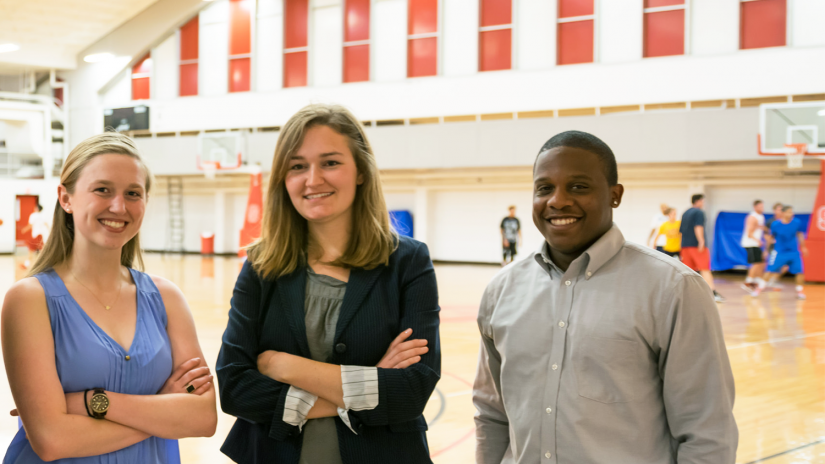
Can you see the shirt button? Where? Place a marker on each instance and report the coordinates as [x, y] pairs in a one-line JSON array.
[[548, 455], [555, 366], [340, 348], [128, 357], [546, 261], [561, 324], [567, 283], [589, 273], [549, 410]]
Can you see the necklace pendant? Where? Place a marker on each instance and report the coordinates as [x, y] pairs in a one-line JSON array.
[[107, 307]]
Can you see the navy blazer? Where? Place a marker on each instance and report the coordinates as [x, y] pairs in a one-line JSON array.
[[268, 314]]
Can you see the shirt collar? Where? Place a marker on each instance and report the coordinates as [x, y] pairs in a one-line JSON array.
[[605, 248]]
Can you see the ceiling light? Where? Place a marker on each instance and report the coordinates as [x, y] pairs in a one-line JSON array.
[[98, 57], [821, 112], [9, 47]]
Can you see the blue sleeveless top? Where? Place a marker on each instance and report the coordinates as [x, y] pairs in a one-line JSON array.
[[87, 357]]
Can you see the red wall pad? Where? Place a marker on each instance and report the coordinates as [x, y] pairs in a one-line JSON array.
[[296, 17], [495, 50], [664, 33], [141, 73], [815, 259], [575, 44], [422, 57], [295, 69], [357, 63], [572, 8], [762, 24], [356, 29]]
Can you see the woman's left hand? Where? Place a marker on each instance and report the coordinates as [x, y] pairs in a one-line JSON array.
[[273, 364]]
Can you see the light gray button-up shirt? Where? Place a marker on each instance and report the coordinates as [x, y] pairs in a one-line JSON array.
[[618, 360]]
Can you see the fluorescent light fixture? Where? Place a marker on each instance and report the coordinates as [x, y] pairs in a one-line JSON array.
[[9, 47], [821, 112], [98, 57]]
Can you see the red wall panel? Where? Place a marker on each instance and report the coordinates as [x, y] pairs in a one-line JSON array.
[[188, 79], [495, 49], [357, 63], [144, 66], [295, 69], [656, 3], [423, 16], [295, 23], [240, 38], [140, 88], [575, 42], [496, 12], [189, 40], [571, 8], [422, 55], [239, 71], [357, 20], [762, 24], [664, 33]]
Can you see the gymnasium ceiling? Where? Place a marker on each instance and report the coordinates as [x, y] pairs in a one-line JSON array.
[[51, 33]]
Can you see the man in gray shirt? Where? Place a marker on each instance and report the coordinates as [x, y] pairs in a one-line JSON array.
[[597, 350]]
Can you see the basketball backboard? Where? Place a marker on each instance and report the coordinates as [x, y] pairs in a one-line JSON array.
[[784, 124]]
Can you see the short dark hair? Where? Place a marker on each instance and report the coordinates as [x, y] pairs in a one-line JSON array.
[[39, 207], [756, 202], [591, 143], [777, 205], [786, 208], [696, 198]]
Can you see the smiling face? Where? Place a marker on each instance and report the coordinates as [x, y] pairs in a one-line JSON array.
[[108, 202], [572, 201], [322, 177]]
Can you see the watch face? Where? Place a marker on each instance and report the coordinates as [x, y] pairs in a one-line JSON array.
[[99, 403]]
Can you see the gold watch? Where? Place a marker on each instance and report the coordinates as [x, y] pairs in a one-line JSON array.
[[99, 404]]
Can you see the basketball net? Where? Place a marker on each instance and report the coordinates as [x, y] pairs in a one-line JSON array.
[[795, 153], [209, 169]]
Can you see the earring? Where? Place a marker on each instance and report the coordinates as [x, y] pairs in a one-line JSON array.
[[615, 203]]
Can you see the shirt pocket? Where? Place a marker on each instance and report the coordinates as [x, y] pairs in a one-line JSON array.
[[610, 370]]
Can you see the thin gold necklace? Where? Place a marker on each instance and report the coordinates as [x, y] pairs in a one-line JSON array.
[[120, 289]]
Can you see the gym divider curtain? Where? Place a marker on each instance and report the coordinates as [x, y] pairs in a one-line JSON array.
[[727, 253]]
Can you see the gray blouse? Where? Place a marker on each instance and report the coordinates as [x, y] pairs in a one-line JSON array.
[[322, 305]]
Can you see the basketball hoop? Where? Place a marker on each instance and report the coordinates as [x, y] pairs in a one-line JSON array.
[[209, 169], [795, 152]]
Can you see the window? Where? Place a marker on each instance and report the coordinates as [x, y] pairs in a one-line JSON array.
[[664, 22], [356, 40], [141, 73], [189, 58], [240, 45], [495, 35], [422, 38], [574, 43], [296, 19], [762, 23]]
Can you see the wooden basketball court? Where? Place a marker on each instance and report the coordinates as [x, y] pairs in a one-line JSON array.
[[776, 346]]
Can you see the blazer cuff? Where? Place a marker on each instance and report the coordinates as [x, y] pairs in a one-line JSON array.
[[360, 386], [297, 405], [278, 428]]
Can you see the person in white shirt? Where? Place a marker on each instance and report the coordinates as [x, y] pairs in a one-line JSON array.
[[40, 226], [752, 243], [654, 240]]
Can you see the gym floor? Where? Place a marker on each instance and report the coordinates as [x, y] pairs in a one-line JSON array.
[[776, 346]]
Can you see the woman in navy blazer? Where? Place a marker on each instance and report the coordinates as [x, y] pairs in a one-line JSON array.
[[325, 215]]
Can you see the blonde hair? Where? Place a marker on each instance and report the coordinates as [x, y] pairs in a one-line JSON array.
[[58, 247], [282, 247]]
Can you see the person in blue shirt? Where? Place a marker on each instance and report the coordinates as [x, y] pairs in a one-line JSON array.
[[789, 240]]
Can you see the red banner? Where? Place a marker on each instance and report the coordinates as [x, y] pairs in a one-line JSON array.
[[254, 211]]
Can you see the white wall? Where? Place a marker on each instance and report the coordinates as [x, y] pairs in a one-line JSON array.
[[165, 80], [534, 33], [714, 26], [270, 45], [460, 37], [213, 52], [388, 51], [120, 93], [621, 30], [807, 17], [326, 42]]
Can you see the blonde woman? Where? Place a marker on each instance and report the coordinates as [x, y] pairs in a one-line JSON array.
[[89, 341], [312, 362]]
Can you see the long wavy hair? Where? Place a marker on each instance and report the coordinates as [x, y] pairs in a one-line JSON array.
[[58, 247], [282, 247]]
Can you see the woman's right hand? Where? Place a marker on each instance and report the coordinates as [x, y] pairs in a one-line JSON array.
[[402, 354], [188, 373]]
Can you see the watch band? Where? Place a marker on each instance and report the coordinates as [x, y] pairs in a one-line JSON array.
[[86, 402]]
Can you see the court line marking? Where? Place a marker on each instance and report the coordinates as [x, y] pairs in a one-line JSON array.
[[441, 409], [455, 443], [461, 393], [821, 440], [777, 340]]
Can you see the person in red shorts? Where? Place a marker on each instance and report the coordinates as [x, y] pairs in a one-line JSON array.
[[695, 254]]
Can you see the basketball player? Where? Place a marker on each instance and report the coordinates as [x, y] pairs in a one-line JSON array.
[[694, 253], [670, 230], [654, 240], [769, 241], [789, 241], [510, 236], [752, 243]]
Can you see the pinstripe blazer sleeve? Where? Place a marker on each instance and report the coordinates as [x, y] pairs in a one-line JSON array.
[[403, 393], [244, 391]]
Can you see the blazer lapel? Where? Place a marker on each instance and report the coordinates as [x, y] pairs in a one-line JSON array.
[[292, 289], [360, 283]]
